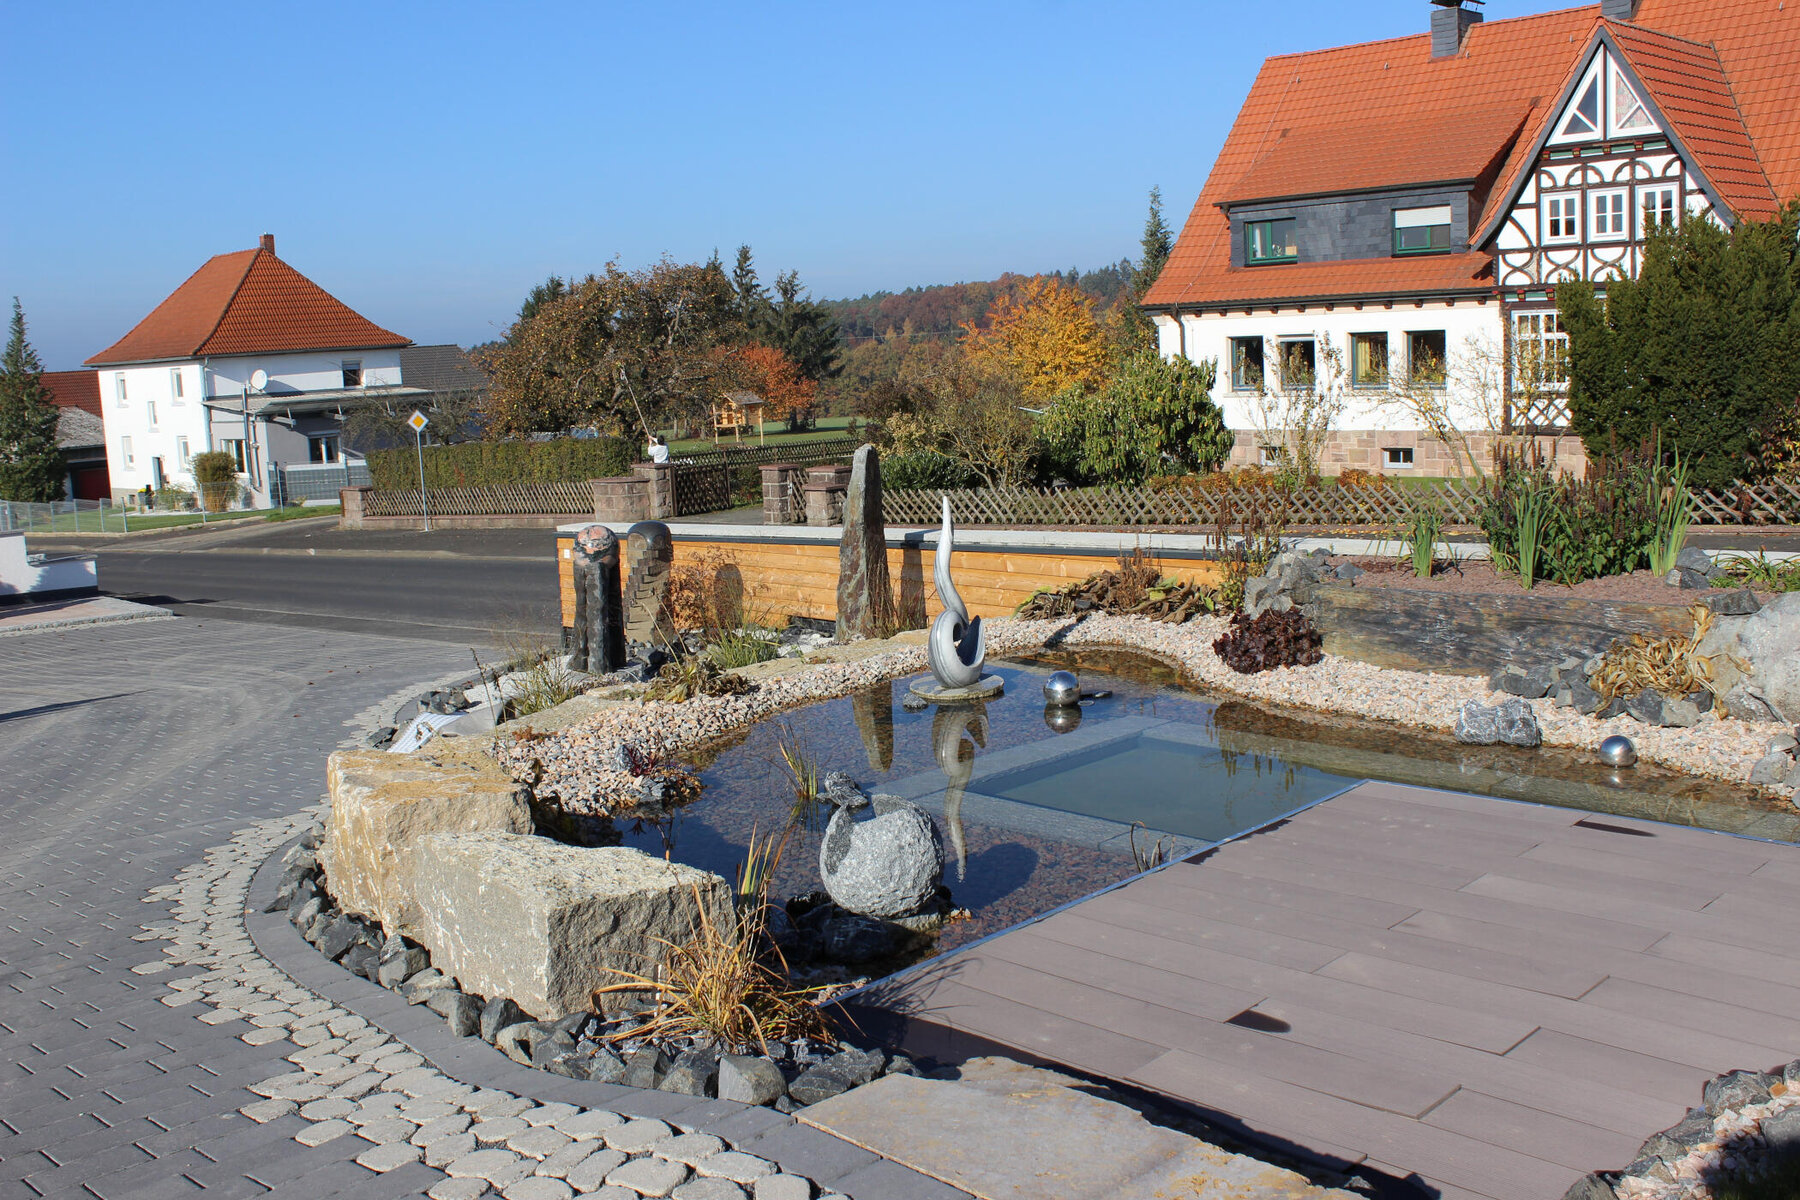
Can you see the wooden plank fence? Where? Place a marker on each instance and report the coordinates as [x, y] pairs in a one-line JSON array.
[[1459, 501]]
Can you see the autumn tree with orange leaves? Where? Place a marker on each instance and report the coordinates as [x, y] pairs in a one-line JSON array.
[[775, 377], [1046, 335]]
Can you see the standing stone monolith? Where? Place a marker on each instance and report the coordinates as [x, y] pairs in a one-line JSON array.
[[865, 597], [651, 553], [599, 636]]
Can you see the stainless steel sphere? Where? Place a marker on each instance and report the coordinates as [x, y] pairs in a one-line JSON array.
[[1617, 751], [1062, 718], [1062, 688]]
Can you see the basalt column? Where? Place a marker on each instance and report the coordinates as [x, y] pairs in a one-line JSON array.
[[865, 597], [599, 619]]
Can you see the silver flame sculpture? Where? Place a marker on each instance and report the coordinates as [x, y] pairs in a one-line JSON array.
[[958, 645]]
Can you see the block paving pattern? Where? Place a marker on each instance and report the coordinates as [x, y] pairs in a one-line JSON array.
[[154, 766]]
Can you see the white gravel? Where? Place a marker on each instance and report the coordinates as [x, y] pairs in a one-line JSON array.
[[576, 763]]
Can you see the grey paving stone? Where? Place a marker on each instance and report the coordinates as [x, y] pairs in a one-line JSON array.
[[782, 1187], [709, 1189], [635, 1137], [649, 1176], [688, 1148], [323, 1132], [538, 1188], [389, 1156], [451, 1188], [590, 1124], [735, 1166]]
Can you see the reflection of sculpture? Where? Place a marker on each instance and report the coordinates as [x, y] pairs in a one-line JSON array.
[[651, 552], [958, 645], [956, 734], [599, 635], [888, 866]]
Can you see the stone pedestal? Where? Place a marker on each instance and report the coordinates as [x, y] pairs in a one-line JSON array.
[[661, 483], [825, 488], [352, 498], [778, 499], [865, 596], [985, 688]]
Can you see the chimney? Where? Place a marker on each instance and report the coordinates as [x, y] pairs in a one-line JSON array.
[[1619, 10], [1449, 22], [268, 242]]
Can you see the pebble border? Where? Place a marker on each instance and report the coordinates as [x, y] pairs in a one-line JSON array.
[[353, 1079]]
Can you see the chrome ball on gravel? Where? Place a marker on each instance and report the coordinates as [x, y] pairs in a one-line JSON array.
[[1617, 751], [1062, 688]]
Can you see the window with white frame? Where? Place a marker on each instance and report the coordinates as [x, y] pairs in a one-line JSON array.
[[1562, 218], [1271, 456], [1657, 205], [119, 387], [1606, 215], [1584, 114], [1397, 457], [176, 390], [1246, 364], [125, 451], [322, 448], [182, 454], [1540, 352], [150, 412]]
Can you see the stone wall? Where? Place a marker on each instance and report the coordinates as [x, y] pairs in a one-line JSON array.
[[1432, 458]]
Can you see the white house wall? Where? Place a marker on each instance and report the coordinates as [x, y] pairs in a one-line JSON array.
[[151, 389], [311, 372], [1472, 338]]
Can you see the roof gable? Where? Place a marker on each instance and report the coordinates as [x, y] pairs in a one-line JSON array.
[[1717, 75], [246, 302]]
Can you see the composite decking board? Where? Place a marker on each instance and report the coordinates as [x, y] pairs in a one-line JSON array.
[[1669, 1038], [1436, 1154], [1497, 1037], [1557, 1138], [1627, 1070], [1476, 1030]]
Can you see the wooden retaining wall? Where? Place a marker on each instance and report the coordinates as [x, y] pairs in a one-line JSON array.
[[782, 579]]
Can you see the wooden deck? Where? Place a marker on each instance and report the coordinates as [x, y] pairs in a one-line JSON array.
[[1493, 998]]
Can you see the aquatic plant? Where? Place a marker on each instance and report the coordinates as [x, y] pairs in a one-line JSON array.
[[1424, 526], [742, 647], [801, 765], [1668, 498], [1760, 572], [1275, 639], [1148, 858]]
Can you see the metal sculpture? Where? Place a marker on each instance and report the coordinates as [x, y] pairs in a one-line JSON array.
[[958, 644]]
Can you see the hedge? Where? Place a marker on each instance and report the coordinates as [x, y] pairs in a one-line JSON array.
[[485, 464]]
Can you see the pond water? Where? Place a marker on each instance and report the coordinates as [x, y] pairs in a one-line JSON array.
[[1039, 807]]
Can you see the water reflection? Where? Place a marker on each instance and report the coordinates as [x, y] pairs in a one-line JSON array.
[[873, 710], [958, 731], [1062, 718]]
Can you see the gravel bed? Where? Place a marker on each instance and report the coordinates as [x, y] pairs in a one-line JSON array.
[[577, 764]]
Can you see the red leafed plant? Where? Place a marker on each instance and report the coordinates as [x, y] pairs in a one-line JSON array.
[[1275, 639]]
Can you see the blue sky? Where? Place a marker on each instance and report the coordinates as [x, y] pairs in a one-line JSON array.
[[427, 163]]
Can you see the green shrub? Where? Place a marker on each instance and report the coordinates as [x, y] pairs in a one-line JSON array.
[[216, 477], [924, 469], [487, 464], [174, 499]]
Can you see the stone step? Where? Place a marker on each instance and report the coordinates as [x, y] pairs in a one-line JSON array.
[[1004, 1131]]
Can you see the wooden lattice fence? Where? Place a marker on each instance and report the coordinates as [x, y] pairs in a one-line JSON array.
[[701, 488], [510, 500], [1459, 501]]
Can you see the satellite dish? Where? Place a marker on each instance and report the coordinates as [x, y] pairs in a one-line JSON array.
[[259, 379]]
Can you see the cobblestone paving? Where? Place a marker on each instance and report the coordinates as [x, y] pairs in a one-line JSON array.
[[156, 765]]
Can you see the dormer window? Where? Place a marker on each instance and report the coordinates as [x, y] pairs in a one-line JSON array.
[[1270, 242], [1422, 230]]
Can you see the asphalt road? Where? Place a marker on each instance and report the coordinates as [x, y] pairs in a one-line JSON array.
[[475, 588]]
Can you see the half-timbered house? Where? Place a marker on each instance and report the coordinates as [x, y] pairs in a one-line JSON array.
[[1385, 227]]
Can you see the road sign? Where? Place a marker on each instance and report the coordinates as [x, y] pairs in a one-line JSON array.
[[418, 421]]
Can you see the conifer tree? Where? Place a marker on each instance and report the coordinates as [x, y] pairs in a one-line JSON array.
[[31, 465], [1138, 331]]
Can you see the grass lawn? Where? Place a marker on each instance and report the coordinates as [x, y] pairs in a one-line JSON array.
[[301, 513], [776, 435]]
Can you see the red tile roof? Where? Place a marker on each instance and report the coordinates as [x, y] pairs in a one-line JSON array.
[[246, 302], [74, 389], [1405, 102]]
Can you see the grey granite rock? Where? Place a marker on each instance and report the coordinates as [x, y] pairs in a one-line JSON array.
[[748, 1079], [397, 969], [865, 594], [338, 936], [1735, 1090], [1782, 1132], [1680, 714], [1477, 724], [888, 866], [1518, 724], [604, 1066], [1693, 558], [499, 1013], [546, 1050], [691, 1074], [462, 1015], [1739, 603], [645, 1068], [838, 1074], [1646, 706], [1590, 1187], [1768, 643], [362, 959], [514, 1041]]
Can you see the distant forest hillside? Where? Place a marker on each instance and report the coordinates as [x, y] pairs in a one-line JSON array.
[[941, 310]]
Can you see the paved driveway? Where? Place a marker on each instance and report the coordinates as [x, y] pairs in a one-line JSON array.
[[125, 752]]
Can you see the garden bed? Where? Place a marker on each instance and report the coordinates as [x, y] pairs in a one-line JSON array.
[[1478, 577]]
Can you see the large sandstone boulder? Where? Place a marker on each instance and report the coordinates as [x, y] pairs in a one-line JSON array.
[[382, 803], [1769, 642], [546, 923]]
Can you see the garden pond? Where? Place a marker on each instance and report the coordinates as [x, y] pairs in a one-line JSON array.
[[1038, 807]]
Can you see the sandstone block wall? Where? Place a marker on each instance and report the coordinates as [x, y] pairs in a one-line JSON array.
[[381, 803], [547, 923]]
